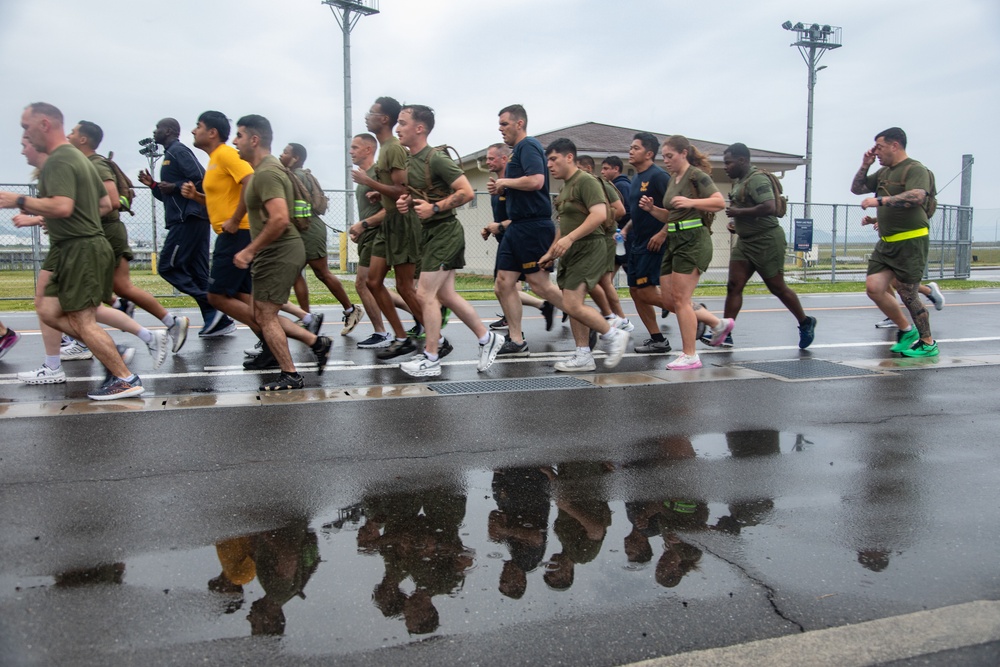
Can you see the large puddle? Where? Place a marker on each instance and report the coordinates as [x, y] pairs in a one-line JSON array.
[[492, 548]]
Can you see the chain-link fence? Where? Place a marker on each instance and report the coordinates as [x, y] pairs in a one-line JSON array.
[[840, 250]]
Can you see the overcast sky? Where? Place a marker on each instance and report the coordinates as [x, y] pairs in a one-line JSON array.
[[712, 70]]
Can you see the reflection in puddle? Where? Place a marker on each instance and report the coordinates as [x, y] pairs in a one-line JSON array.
[[498, 547]]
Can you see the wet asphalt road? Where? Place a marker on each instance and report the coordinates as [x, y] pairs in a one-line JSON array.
[[644, 514]]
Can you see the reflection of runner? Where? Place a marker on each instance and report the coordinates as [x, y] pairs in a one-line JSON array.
[[520, 521], [416, 533], [8, 339]]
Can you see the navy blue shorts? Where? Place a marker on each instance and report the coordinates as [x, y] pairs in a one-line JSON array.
[[643, 269], [226, 278], [523, 244]]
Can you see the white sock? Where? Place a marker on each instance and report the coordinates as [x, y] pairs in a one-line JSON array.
[[169, 320], [585, 351], [53, 362], [430, 357], [307, 318], [485, 339], [145, 336]]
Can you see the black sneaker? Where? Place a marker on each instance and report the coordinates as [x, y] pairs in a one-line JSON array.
[[512, 349], [376, 341], [262, 362], [398, 348], [565, 317], [548, 312], [315, 324], [807, 332], [321, 348], [499, 325], [284, 382], [444, 349], [416, 331], [592, 339]]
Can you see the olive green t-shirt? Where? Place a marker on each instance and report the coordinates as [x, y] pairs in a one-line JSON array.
[[68, 173], [751, 190], [106, 173], [366, 209], [888, 181], [579, 193], [443, 172], [391, 156], [684, 187], [613, 195], [269, 181]]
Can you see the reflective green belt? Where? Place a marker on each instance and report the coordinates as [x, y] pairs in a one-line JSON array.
[[902, 236], [303, 209], [683, 224]]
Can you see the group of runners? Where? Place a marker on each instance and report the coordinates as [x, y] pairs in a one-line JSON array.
[[259, 206]]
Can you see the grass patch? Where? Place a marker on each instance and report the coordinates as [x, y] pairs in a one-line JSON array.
[[16, 288]]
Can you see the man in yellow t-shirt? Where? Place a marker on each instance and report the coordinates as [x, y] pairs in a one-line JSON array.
[[229, 287]]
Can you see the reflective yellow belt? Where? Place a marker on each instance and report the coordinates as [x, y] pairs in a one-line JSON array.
[[902, 236], [683, 224]]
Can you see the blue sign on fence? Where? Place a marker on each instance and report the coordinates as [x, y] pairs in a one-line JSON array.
[[803, 234]]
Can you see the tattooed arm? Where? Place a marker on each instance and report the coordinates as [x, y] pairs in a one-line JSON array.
[[859, 185]]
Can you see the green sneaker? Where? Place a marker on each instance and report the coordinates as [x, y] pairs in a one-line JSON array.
[[922, 349], [445, 315], [905, 340], [417, 332]]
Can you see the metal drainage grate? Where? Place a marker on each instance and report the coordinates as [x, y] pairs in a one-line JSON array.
[[806, 369], [498, 386]]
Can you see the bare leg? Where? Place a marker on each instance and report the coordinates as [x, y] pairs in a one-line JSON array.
[[332, 282], [301, 288], [124, 288], [921, 318], [376, 285], [406, 286], [614, 303], [877, 285], [266, 317], [368, 300], [677, 291], [647, 300], [83, 326], [506, 290], [780, 289]]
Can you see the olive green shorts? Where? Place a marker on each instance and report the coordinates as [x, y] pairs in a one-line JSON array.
[[906, 259], [366, 241], [584, 263], [314, 239], [275, 269], [765, 252], [610, 240], [82, 272], [443, 246], [399, 239], [117, 236], [687, 250]]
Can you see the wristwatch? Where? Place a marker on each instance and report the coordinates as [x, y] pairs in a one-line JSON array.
[[436, 208], [364, 224], [20, 202]]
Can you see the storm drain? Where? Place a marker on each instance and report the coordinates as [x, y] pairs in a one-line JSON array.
[[806, 369], [498, 386]]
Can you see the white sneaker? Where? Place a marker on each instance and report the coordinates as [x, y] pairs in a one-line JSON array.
[[420, 366], [158, 346], [581, 362], [937, 298], [685, 363], [351, 319], [43, 375], [255, 350], [488, 352], [720, 332], [887, 323], [178, 332], [623, 324], [616, 342], [75, 351]]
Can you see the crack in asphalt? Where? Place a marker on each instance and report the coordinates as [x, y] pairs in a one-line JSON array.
[[771, 595]]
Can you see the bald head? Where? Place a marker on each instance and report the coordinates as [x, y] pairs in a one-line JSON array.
[[167, 131]]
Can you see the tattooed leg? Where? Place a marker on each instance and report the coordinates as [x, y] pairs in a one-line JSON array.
[[910, 293]]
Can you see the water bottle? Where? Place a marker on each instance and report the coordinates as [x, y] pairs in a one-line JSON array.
[[619, 244]]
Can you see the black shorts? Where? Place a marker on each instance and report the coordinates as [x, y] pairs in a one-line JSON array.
[[643, 269], [225, 277], [523, 244]]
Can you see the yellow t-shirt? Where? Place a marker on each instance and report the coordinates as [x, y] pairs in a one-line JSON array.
[[222, 185]]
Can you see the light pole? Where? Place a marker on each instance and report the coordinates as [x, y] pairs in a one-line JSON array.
[[347, 13], [152, 154], [813, 41]]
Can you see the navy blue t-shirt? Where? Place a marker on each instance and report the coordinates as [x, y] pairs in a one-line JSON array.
[[624, 188], [650, 183], [528, 159]]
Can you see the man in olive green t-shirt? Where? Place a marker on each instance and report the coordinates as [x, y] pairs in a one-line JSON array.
[[437, 186], [72, 200], [901, 187], [275, 251], [582, 253], [760, 243]]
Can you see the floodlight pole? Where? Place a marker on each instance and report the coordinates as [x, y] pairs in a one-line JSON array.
[[813, 41], [347, 13]]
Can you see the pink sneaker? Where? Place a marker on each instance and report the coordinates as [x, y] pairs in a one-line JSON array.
[[726, 325], [685, 363]]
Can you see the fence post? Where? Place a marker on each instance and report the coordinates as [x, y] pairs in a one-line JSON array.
[[833, 247]]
